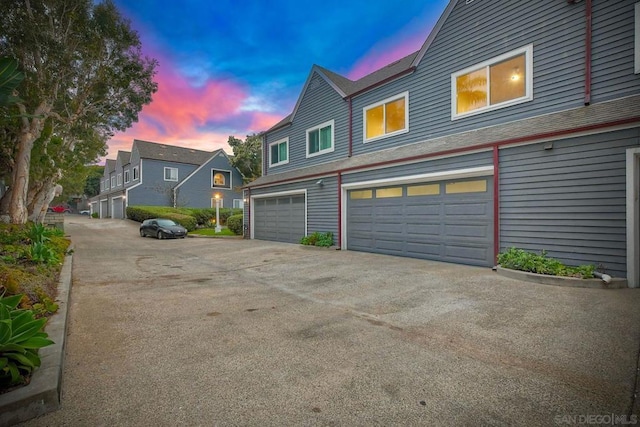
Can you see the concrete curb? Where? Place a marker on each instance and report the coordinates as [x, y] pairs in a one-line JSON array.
[[43, 393], [545, 279]]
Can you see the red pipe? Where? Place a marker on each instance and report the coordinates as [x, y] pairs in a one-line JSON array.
[[587, 54], [496, 203], [350, 128], [339, 210]]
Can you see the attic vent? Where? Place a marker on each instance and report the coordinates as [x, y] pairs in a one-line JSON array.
[[314, 84]]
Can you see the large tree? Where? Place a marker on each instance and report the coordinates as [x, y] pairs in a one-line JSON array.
[[85, 78], [247, 156]]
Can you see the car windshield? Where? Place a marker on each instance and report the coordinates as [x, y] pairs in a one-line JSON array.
[[166, 222]]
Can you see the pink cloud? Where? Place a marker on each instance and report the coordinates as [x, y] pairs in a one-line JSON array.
[[384, 53], [181, 114], [263, 121]]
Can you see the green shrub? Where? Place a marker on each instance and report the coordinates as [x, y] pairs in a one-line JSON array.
[[40, 252], [519, 259], [95, 215], [318, 239], [21, 336], [234, 223], [203, 216]]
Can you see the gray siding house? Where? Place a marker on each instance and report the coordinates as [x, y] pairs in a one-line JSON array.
[[516, 124], [155, 174]]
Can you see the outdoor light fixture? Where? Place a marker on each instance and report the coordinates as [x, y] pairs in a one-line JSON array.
[[320, 183]]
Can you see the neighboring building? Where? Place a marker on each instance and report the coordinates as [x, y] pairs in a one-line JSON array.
[[517, 124], [165, 175]]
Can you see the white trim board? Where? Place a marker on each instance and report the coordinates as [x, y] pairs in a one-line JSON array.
[[633, 217]]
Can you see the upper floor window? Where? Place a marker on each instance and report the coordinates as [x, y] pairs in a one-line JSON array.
[[500, 82], [320, 139], [101, 185], [238, 204], [386, 118], [170, 174], [126, 176], [220, 179], [279, 152], [113, 182], [136, 174], [119, 179]]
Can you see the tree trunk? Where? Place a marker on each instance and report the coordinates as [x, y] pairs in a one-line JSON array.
[[40, 196], [31, 130]]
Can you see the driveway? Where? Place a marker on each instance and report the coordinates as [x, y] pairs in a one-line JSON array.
[[235, 332]]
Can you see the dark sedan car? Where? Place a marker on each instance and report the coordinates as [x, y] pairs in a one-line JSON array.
[[162, 229]]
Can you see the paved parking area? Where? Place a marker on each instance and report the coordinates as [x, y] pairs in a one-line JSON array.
[[234, 332]]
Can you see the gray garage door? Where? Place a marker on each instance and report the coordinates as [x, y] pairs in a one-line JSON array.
[[446, 221], [279, 218], [118, 208]]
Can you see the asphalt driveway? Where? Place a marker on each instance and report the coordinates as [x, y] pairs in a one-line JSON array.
[[235, 332]]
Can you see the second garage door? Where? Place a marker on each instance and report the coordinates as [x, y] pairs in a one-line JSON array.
[[446, 221], [281, 219]]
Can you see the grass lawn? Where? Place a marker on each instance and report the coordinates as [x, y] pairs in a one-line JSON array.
[[225, 232]]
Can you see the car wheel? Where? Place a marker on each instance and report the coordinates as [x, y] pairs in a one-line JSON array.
[[160, 235], [142, 234]]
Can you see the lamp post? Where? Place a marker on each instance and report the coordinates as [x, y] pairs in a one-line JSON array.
[[218, 228]]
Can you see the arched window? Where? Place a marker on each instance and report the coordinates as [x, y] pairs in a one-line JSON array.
[[218, 179]]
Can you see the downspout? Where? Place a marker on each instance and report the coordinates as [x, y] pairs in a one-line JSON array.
[[350, 127], [496, 203], [340, 208], [248, 225], [264, 154], [587, 53]]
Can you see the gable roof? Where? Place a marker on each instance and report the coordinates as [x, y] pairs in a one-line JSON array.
[[110, 166], [124, 157], [349, 88], [171, 153]]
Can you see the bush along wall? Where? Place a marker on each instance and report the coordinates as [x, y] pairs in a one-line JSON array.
[[198, 217], [318, 239], [234, 223]]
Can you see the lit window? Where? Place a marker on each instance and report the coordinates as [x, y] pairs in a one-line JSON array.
[[320, 139], [384, 193], [279, 152], [466, 187], [170, 174], [423, 190], [386, 118], [361, 194], [220, 179], [499, 82]]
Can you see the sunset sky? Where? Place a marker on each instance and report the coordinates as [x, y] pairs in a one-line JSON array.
[[237, 67]]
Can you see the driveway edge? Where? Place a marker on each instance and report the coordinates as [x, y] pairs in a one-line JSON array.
[[43, 393], [545, 279]]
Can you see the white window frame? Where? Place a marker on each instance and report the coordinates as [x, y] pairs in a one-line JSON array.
[[136, 173], [170, 178], [404, 95], [321, 126], [119, 179], [637, 39], [239, 202], [528, 96], [113, 182], [278, 142], [127, 176], [228, 187]]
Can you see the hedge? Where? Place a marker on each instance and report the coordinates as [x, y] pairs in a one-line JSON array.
[[200, 216], [234, 223]]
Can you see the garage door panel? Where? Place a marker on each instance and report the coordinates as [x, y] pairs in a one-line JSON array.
[[454, 227], [280, 219], [478, 208]]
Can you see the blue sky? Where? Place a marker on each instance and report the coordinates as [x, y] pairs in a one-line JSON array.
[[237, 67]]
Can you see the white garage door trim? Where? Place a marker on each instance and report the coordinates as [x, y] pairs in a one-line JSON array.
[[277, 194], [410, 179]]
